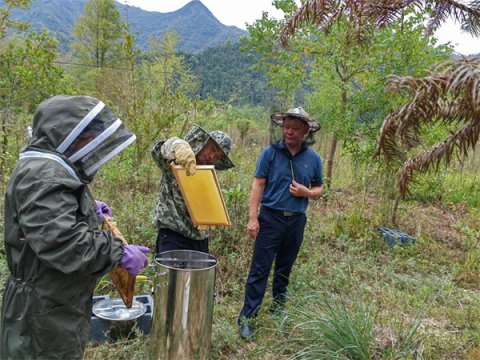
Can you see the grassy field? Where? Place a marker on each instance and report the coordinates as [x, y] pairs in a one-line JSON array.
[[351, 296]]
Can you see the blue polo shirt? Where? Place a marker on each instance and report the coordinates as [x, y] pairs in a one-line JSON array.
[[274, 166]]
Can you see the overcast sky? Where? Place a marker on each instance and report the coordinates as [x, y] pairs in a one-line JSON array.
[[239, 12]]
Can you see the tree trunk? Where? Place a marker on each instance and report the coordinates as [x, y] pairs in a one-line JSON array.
[[4, 142], [395, 210], [333, 145], [331, 155]]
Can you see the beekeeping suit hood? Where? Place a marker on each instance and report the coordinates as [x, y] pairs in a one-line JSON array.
[[81, 131], [55, 252]]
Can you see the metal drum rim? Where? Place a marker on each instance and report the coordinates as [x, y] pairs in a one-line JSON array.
[[211, 257], [109, 301]]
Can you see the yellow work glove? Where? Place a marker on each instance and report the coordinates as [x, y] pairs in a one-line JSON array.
[[184, 156]]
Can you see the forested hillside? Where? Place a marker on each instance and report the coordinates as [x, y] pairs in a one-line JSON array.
[[212, 49], [197, 28], [226, 73]]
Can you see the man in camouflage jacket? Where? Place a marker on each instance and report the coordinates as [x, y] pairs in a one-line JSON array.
[[175, 227]]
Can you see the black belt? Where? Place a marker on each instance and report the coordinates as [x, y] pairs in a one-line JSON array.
[[281, 212]]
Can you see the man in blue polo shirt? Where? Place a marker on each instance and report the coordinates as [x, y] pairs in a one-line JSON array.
[[288, 173]]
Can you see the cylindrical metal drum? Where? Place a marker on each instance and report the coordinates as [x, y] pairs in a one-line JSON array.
[[183, 305]]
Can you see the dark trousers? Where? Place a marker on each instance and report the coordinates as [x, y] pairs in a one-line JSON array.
[[170, 240], [279, 239]]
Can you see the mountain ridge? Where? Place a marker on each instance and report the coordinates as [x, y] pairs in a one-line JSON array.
[[196, 26]]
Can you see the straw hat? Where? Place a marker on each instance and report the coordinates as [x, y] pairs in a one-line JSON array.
[[297, 113]]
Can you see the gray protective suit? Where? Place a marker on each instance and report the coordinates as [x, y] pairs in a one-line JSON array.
[[54, 251]]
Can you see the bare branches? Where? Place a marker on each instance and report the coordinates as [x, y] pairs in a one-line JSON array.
[[451, 94]]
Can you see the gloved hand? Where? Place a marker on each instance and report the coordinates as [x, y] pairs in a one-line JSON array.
[[184, 156], [102, 208], [134, 259]]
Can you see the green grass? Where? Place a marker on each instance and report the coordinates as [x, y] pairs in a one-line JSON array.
[[329, 329], [350, 296]]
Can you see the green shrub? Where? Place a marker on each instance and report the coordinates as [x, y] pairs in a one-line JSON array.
[[329, 329]]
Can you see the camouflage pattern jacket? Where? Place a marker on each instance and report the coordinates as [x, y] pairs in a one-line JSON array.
[[170, 209]]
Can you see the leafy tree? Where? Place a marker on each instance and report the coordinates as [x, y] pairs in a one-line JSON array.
[[115, 85], [6, 22], [28, 75], [165, 92], [98, 34], [348, 83], [285, 70], [362, 18], [343, 79], [168, 68]]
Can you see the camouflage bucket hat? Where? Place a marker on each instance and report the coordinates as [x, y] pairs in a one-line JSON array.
[[297, 113], [225, 142], [198, 137]]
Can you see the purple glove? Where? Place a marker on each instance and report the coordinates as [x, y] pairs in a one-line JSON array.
[[134, 258], [102, 208]]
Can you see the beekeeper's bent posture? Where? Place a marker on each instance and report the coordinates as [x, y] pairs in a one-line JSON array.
[[54, 251], [175, 227]]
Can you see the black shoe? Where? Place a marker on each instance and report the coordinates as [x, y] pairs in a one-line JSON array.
[[246, 332], [279, 314], [277, 309]]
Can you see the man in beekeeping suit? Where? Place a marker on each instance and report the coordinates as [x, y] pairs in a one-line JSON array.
[[55, 252]]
